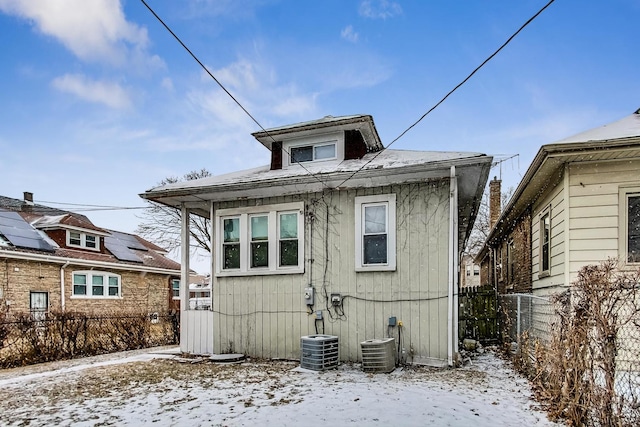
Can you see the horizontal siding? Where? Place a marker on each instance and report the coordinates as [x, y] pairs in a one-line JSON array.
[[555, 198], [265, 316], [594, 209]]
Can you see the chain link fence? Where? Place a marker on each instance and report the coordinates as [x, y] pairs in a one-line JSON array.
[[582, 351]]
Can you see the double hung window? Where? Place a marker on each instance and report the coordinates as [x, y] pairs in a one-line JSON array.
[[96, 284], [83, 240], [629, 241], [545, 243], [375, 232], [261, 240]]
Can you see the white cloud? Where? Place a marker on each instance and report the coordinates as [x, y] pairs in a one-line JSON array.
[[167, 84], [94, 30], [348, 34], [379, 9], [107, 93]]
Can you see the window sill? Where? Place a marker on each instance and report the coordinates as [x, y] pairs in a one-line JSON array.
[[238, 273], [96, 297], [544, 274], [364, 268]]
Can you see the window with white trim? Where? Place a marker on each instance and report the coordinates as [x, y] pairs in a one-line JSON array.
[[313, 152], [83, 240], [375, 232], [545, 243], [96, 284], [260, 240], [630, 225]]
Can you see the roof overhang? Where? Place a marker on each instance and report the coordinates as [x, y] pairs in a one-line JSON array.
[[362, 123], [471, 174], [546, 171]]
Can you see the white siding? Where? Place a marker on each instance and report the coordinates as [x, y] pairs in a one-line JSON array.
[[265, 316], [555, 199], [594, 209]]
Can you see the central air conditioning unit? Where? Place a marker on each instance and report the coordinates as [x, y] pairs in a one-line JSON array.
[[319, 352], [378, 355]]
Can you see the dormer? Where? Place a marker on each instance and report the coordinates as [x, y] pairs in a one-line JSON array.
[[69, 231], [330, 139]]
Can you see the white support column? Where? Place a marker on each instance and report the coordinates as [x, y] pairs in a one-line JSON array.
[[452, 320], [184, 278]]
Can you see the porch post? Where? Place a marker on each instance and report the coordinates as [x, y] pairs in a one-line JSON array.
[[184, 277]]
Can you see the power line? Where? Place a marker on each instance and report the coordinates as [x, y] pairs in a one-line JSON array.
[[223, 87], [489, 58]]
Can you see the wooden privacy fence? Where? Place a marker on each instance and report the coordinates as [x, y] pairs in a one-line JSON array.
[[478, 315]]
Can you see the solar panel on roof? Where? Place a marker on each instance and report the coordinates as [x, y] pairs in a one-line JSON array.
[[129, 241], [119, 249], [20, 233]]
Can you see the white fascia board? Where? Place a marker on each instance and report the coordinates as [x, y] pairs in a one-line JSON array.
[[76, 261]]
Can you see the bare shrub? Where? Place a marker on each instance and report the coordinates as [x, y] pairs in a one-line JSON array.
[[588, 373], [65, 335]]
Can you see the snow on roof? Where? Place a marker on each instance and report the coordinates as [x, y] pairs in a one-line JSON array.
[[628, 127], [387, 159]]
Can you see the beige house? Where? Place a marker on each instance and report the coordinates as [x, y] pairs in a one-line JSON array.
[[52, 259], [337, 236], [578, 204]]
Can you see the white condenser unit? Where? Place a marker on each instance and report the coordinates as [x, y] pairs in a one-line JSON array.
[[378, 355], [319, 352]]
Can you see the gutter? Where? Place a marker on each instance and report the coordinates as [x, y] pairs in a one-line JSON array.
[[62, 302], [101, 264]]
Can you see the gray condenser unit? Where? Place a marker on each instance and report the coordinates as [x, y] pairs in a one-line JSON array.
[[319, 352], [378, 355]]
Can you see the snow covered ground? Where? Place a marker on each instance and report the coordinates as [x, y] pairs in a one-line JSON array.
[[152, 387]]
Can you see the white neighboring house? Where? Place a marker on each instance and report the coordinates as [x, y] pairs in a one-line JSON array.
[[200, 293], [336, 236]]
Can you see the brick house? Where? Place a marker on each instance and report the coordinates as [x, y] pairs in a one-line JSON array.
[[577, 204], [51, 259]]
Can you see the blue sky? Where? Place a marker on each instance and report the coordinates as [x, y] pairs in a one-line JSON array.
[[99, 102]]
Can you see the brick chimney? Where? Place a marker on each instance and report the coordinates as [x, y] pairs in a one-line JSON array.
[[494, 201], [28, 197]]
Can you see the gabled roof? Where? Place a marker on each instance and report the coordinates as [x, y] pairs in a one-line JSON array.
[[361, 122], [617, 140]]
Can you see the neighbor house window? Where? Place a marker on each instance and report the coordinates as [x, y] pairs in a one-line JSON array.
[[476, 270], [510, 261], [261, 240], [375, 232], [630, 225], [96, 284], [83, 240], [175, 288], [545, 242]]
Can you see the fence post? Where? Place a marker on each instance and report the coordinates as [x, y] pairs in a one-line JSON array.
[[518, 320]]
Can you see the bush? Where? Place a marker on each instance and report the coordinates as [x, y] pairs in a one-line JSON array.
[[65, 335]]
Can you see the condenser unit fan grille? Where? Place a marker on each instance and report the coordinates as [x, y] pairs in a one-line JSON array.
[[319, 352], [378, 355]]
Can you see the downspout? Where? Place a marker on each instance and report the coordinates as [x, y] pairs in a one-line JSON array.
[[62, 300], [452, 320], [184, 277]]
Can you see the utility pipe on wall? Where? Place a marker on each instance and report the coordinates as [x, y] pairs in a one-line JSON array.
[[62, 299]]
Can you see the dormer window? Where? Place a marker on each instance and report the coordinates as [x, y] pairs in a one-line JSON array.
[[311, 153], [79, 239], [311, 149]]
